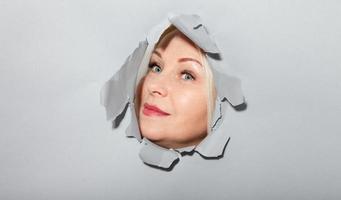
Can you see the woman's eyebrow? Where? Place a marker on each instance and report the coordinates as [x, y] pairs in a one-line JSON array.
[[180, 59], [189, 59], [157, 53]]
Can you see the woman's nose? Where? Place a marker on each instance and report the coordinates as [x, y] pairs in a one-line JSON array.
[[158, 87]]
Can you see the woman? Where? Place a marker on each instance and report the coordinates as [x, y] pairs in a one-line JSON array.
[[176, 92]]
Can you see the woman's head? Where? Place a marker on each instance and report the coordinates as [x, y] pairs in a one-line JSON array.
[[176, 97]]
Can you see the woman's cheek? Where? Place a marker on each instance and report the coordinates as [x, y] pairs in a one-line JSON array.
[[144, 87], [189, 101]]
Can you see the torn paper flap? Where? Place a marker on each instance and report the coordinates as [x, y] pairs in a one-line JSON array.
[[120, 89], [194, 29], [155, 155]]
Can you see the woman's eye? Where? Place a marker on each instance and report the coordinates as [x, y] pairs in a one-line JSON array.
[[187, 76], [155, 68]]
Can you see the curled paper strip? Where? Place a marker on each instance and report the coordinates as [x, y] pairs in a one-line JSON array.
[[120, 91]]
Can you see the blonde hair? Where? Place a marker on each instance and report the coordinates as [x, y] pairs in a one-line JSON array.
[[166, 36]]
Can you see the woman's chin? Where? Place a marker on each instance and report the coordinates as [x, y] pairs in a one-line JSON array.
[[153, 135]]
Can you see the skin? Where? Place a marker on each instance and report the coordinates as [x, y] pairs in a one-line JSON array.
[[175, 83]]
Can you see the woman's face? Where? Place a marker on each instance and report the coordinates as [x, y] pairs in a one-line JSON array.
[[173, 95]]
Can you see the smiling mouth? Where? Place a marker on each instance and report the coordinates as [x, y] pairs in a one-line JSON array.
[[151, 110]]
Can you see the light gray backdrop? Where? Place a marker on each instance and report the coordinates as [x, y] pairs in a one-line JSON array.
[[56, 144]]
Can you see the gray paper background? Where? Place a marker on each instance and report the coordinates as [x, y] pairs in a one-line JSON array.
[[56, 144]]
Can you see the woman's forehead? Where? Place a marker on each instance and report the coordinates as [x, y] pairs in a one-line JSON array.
[[174, 35], [177, 46]]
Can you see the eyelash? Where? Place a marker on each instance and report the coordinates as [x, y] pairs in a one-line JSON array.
[[151, 65]]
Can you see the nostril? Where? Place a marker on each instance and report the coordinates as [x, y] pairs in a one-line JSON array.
[[157, 92]]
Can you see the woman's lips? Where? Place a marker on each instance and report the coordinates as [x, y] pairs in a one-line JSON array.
[[151, 110]]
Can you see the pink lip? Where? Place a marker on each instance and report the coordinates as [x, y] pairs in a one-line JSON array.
[[151, 110]]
